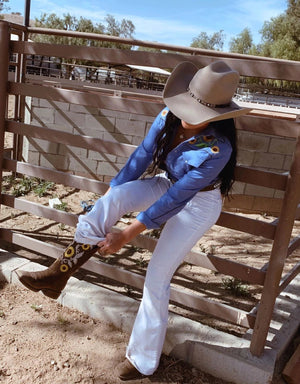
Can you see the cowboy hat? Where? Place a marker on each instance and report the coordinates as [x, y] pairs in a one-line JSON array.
[[202, 95]]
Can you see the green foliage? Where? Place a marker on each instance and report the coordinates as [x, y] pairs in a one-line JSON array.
[[281, 35], [3, 7], [23, 186], [61, 207], [242, 43], [43, 188], [214, 41], [125, 28], [236, 287]]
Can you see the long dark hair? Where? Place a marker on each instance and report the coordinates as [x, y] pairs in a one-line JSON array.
[[164, 141]]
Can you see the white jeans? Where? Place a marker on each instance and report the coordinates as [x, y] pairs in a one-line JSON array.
[[178, 236]]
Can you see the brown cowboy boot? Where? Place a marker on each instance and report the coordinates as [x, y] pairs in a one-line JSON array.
[[126, 371], [52, 280]]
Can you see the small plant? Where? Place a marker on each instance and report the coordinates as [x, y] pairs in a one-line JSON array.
[[141, 262], [62, 320], [62, 226], [61, 207], [236, 287], [36, 307], [2, 314], [22, 187], [43, 188]]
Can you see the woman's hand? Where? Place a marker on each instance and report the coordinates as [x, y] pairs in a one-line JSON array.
[[115, 241]]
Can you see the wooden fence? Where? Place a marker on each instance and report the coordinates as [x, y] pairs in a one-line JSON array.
[[262, 120]]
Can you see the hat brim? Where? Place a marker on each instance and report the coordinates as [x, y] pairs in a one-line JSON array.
[[184, 106]]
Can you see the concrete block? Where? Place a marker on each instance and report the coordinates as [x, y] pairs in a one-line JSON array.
[[282, 145], [254, 190], [253, 142], [268, 160], [245, 157], [71, 151], [8, 264], [42, 116], [70, 119], [82, 165], [54, 161], [105, 168], [93, 155], [43, 146], [100, 303], [95, 124], [287, 163], [134, 128]]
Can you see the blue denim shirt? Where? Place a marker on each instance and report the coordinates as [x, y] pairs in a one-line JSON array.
[[193, 165]]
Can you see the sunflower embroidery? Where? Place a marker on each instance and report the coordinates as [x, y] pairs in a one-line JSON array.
[[206, 141]]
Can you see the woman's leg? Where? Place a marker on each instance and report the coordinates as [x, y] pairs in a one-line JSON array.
[[134, 196], [179, 235], [92, 228]]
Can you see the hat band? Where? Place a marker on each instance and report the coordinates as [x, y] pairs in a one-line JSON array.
[[205, 103]]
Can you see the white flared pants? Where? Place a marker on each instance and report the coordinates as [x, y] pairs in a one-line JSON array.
[[178, 236]]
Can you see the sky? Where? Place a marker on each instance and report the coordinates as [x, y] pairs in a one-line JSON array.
[[168, 21]]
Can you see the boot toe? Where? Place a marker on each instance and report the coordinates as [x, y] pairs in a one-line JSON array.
[[127, 371]]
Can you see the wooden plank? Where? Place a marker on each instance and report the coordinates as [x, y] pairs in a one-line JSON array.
[[227, 267], [291, 372], [82, 141], [294, 244], [91, 99], [247, 225], [262, 178], [277, 258], [211, 262], [178, 295], [39, 210], [247, 65], [289, 277], [273, 114], [268, 126], [58, 177]]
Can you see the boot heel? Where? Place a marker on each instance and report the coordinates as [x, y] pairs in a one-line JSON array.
[[50, 293]]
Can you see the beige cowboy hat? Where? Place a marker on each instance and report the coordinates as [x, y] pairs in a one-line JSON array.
[[203, 95]]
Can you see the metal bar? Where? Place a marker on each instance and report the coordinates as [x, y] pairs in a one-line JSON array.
[[27, 13], [278, 256]]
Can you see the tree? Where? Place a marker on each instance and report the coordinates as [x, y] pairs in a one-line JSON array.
[[3, 7], [281, 35], [125, 28], [242, 43], [214, 41]]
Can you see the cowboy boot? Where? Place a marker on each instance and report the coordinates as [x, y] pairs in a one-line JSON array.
[[52, 280]]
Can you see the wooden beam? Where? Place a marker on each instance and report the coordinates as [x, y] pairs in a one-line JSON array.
[[178, 295], [82, 141]]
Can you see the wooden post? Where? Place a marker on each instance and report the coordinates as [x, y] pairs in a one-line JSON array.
[[4, 62], [278, 256]]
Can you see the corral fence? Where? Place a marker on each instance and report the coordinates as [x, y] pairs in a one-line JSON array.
[[261, 120]]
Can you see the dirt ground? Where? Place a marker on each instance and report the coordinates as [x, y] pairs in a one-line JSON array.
[[42, 342]]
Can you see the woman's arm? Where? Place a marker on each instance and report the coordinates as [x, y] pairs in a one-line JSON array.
[[115, 241]]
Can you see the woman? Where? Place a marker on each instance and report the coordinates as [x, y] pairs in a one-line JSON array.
[[193, 140]]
